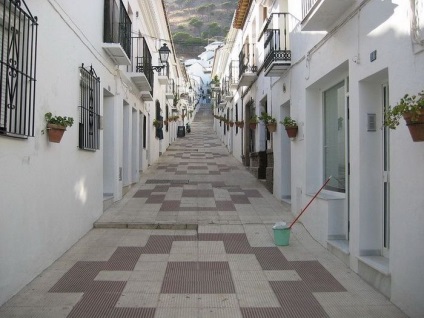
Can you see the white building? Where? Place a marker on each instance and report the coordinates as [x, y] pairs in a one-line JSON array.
[[85, 64], [335, 66]]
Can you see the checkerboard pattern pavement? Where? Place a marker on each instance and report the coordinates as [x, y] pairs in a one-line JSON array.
[[194, 239]]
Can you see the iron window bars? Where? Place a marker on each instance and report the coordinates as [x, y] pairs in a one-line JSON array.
[[89, 121], [18, 34]]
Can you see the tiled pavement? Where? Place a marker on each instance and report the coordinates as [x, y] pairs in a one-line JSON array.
[[194, 239]]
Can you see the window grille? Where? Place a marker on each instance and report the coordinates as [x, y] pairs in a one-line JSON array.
[[18, 36], [89, 121]]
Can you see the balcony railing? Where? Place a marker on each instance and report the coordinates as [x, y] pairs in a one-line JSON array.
[[321, 15], [170, 89], [247, 66], [141, 65], [233, 73], [307, 6], [117, 26], [247, 59], [276, 44]]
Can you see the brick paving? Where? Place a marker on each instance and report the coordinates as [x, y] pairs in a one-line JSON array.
[[194, 239]]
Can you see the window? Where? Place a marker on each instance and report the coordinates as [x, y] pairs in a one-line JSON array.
[[89, 122], [334, 137], [18, 34]]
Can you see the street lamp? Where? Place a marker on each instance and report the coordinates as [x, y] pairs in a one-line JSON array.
[[164, 52]]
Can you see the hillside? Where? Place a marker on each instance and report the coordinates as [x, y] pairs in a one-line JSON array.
[[195, 23]]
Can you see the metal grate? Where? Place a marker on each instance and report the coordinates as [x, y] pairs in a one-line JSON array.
[[89, 123], [18, 34]]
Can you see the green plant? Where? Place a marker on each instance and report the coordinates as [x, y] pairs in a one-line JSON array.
[[267, 119], [408, 106], [157, 123], [58, 120], [288, 122], [215, 80], [254, 119]]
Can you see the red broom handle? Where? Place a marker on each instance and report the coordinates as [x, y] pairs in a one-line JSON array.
[[316, 194]]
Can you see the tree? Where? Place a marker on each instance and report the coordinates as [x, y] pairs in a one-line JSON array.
[[196, 23]]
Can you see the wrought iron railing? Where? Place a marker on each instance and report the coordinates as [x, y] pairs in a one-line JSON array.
[[89, 121], [18, 35], [307, 6], [233, 72], [247, 59], [225, 88], [117, 25], [170, 87], [141, 61], [276, 44]]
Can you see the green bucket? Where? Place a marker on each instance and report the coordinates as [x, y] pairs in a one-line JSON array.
[[281, 236]]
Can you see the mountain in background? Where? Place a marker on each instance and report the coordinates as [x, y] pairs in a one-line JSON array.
[[196, 23]]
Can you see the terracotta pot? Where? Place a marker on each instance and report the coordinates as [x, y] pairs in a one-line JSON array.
[[416, 127], [292, 131], [55, 132], [272, 127], [231, 124], [252, 125]]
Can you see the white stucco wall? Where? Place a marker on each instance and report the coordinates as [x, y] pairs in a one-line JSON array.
[[51, 193]]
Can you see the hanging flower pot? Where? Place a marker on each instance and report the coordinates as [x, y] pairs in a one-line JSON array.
[[56, 126], [411, 108], [231, 123], [272, 127], [415, 125], [292, 131], [252, 125], [55, 132]]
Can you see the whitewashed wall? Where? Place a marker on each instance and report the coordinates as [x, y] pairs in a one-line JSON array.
[[383, 27], [50, 193]]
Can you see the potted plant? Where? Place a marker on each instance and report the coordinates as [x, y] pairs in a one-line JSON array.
[[269, 121], [240, 124], [56, 126], [157, 123], [411, 108], [253, 121], [215, 83], [290, 125], [231, 123]]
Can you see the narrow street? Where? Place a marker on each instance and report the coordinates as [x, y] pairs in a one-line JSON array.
[[194, 238]]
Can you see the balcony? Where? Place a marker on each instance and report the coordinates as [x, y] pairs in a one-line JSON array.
[[226, 90], [234, 74], [170, 89], [320, 15], [140, 71], [277, 50], [163, 75], [117, 32], [247, 67]]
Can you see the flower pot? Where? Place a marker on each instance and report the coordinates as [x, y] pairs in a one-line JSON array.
[[272, 127], [416, 127], [55, 132], [252, 125], [292, 131], [231, 124]]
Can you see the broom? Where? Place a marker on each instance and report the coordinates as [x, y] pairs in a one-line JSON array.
[[304, 209]]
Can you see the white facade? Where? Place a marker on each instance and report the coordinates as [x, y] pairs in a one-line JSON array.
[[348, 60], [51, 193]]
